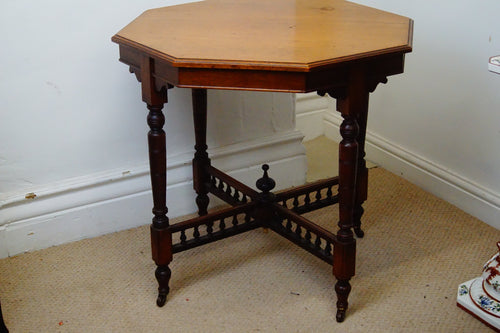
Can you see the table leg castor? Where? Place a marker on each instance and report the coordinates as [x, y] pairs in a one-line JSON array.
[[342, 288], [162, 275]]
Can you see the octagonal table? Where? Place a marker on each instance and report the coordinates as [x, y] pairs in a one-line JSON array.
[[332, 47]]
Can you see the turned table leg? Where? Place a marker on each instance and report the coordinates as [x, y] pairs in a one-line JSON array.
[[161, 237], [344, 251], [362, 173], [353, 105], [201, 162]]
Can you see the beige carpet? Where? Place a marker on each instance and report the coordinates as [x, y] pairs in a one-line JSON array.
[[416, 251]]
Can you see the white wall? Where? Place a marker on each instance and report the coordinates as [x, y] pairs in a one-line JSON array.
[[73, 127], [438, 124]]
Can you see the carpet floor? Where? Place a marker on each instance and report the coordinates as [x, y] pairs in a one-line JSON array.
[[417, 249]]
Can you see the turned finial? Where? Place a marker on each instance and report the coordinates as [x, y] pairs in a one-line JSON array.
[[265, 184]]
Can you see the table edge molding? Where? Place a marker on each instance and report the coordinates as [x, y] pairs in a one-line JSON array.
[[267, 66]]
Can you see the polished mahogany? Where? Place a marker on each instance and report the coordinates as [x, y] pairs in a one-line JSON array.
[[333, 47]]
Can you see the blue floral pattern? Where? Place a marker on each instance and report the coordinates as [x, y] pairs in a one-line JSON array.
[[487, 303], [481, 299], [463, 290]]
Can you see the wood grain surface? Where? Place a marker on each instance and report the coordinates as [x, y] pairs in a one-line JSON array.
[[288, 35]]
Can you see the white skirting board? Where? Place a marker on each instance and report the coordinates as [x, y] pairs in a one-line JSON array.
[[461, 192], [116, 200]]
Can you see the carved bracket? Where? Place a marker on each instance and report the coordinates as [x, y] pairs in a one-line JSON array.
[[337, 93], [341, 92], [374, 81], [137, 72]]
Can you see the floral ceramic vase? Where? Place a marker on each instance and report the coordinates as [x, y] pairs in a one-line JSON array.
[[480, 297], [491, 276]]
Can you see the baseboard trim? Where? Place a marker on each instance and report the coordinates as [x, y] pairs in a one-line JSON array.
[[454, 188], [116, 200]]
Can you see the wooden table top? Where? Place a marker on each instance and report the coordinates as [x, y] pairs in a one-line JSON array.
[[277, 35]]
